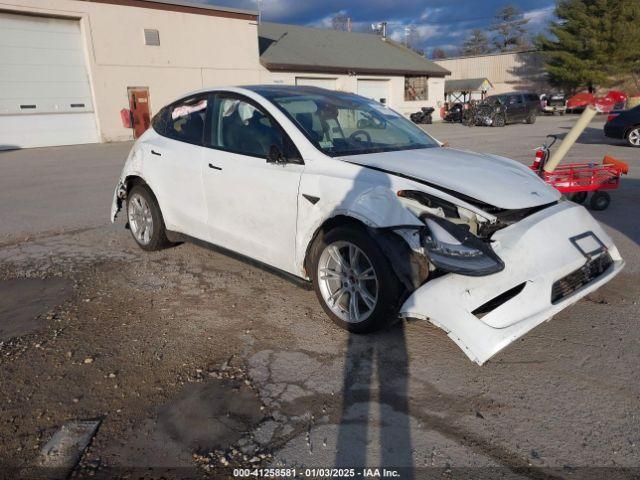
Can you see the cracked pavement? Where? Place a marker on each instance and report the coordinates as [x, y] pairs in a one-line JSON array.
[[197, 361]]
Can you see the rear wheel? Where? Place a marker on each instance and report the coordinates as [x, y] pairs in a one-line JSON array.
[[531, 118], [145, 219], [633, 137], [599, 200], [354, 281]]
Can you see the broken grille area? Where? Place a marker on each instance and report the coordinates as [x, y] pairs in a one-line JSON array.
[[581, 277]]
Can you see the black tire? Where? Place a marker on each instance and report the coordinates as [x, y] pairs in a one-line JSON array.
[[633, 137], [499, 121], [578, 197], [158, 238], [389, 288], [599, 200], [531, 118]]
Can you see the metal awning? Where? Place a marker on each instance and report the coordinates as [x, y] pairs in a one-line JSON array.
[[467, 85]]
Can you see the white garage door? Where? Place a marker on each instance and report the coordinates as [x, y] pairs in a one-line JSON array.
[[328, 83], [45, 96], [377, 90]]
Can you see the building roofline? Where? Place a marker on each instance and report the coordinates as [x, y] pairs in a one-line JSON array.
[[492, 54], [185, 7], [291, 67], [431, 68]]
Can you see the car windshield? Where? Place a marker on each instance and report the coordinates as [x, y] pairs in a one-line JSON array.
[[340, 123]]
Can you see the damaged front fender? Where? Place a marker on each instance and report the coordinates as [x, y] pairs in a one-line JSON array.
[[132, 169]]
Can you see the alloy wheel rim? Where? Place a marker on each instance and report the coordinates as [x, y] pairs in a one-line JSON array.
[[634, 136], [347, 281], [140, 219]]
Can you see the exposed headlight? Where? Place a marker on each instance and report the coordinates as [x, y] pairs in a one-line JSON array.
[[453, 248]]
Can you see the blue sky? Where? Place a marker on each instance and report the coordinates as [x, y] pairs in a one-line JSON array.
[[438, 23]]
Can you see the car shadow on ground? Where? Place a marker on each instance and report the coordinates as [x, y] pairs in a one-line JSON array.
[[617, 215], [593, 136], [389, 360]]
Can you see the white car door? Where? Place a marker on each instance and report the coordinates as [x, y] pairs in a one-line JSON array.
[[252, 204], [174, 166]]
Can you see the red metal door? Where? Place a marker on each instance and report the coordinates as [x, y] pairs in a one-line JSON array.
[[140, 111]]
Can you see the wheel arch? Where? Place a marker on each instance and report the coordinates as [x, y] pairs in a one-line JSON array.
[[628, 130], [410, 267]]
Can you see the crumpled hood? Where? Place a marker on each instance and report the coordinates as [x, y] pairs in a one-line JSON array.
[[492, 179]]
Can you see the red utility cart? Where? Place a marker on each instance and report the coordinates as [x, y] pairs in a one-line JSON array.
[[577, 179]]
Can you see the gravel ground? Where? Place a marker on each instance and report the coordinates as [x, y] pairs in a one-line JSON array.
[[196, 361]]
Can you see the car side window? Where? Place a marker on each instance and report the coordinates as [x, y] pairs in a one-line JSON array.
[[185, 120], [514, 99], [240, 126]]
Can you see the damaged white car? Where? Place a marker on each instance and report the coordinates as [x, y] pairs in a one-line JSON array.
[[380, 217]]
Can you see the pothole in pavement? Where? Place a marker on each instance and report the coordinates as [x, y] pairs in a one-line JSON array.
[[24, 300]]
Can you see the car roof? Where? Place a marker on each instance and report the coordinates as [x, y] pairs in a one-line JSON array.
[[265, 90]]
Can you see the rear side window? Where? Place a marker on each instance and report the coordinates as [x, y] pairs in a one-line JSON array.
[[532, 97], [183, 120]]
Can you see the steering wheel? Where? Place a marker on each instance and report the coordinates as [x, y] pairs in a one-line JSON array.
[[354, 135]]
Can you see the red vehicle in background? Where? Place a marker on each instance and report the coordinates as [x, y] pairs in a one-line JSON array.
[[614, 99]]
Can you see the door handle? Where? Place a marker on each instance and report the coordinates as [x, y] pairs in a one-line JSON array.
[[153, 152], [211, 165]]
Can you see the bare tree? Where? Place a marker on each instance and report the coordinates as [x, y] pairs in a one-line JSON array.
[[476, 44], [340, 21], [509, 29], [413, 40], [438, 54]]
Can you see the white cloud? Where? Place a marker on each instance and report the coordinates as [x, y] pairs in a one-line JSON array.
[[540, 17]]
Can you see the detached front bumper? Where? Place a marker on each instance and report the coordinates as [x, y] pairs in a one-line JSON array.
[[483, 315]]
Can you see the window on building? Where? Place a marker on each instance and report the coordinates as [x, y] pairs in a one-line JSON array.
[[151, 37], [416, 88]]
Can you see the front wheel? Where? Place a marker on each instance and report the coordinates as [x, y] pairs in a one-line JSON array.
[[354, 281], [633, 137], [599, 200], [145, 219], [578, 197], [499, 121]]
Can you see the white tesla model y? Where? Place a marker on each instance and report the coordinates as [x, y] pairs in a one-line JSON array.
[[380, 217]]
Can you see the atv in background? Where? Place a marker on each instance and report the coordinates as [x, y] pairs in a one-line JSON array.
[[424, 116]]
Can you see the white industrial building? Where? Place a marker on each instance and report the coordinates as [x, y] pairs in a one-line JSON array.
[[68, 68]]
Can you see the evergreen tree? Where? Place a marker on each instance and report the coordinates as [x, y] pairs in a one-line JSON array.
[[509, 28], [596, 43], [476, 44], [625, 57]]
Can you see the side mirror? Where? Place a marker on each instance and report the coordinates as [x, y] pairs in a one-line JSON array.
[[275, 155]]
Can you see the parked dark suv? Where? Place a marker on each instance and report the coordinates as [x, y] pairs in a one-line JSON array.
[[513, 107]]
